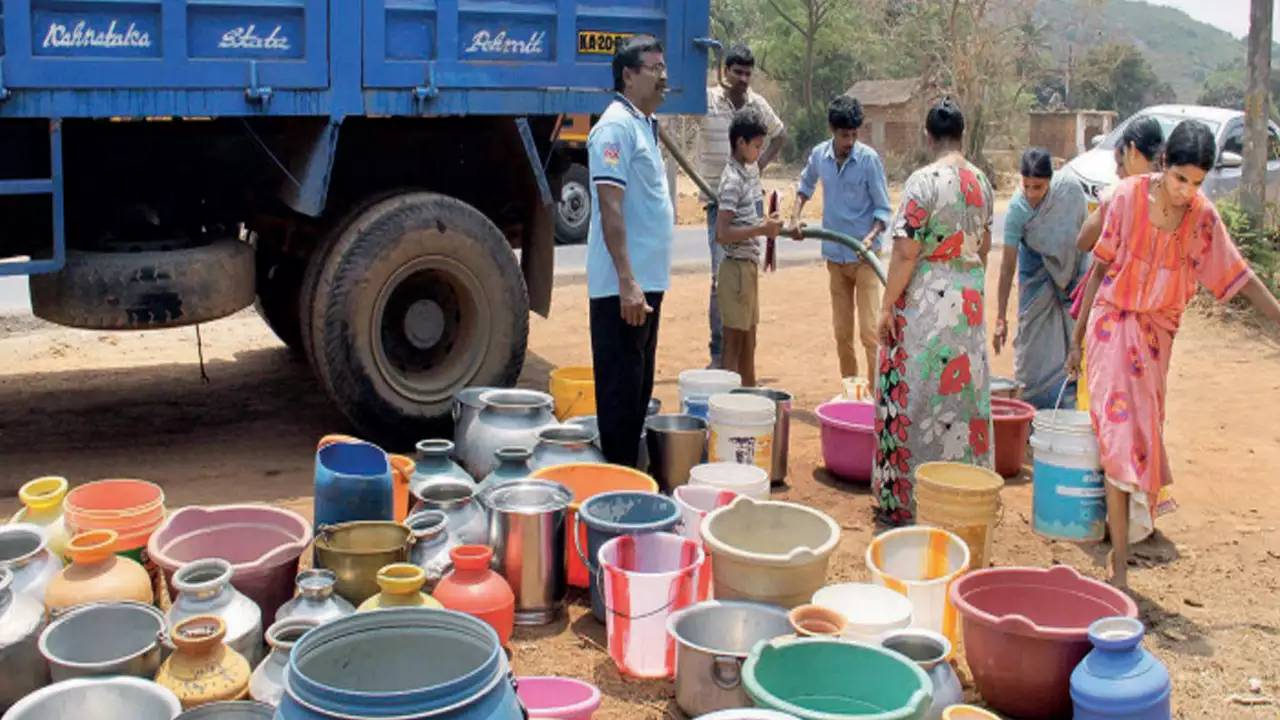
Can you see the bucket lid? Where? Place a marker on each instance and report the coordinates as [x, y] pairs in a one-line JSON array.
[[708, 382], [1066, 421], [732, 409], [527, 497]]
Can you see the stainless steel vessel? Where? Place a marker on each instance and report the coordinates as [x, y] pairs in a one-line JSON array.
[[676, 444], [713, 640], [21, 620], [781, 427], [204, 588], [110, 638], [527, 534]]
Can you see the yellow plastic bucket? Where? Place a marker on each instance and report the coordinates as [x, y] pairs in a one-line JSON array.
[[964, 499], [574, 391]]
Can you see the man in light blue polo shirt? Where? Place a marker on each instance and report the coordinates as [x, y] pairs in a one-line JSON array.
[[628, 246], [855, 201]]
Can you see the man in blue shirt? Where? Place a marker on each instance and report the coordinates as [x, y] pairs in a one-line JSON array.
[[855, 201], [628, 246]]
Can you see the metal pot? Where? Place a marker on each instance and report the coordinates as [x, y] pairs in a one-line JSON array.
[[466, 408], [467, 518], [110, 638], [356, 551], [527, 534], [232, 710], [781, 427], [713, 640], [513, 464], [204, 588], [23, 550], [431, 544], [315, 599], [266, 685], [108, 697], [509, 417], [676, 444], [562, 444], [21, 620], [434, 464]]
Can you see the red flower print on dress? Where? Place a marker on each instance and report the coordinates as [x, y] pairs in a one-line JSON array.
[[915, 215], [901, 302], [898, 427], [1118, 407], [902, 492], [901, 516], [1139, 458], [879, 426], [1105, 328], [948, 249], [955, 376], [886, 362], [978, 437], [972, 306], [880, 457], [971, 188], [898, 459], [900, 394], [1136, 367], [1148, 329], [900, 359]]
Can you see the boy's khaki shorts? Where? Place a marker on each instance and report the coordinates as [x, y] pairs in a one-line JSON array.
[[737, 289]]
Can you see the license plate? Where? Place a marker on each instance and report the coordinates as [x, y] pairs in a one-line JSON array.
[[599, 42]]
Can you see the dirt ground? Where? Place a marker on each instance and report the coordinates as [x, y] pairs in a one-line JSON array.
[[91, 405]]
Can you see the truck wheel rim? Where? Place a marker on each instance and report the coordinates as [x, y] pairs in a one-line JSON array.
[[430, 328], [575, 204]]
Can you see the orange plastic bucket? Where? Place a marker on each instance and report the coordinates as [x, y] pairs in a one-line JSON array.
[[132, 508], [586, 480]]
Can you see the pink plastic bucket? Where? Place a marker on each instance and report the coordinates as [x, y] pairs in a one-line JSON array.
[[848, 438], [646, 578], [557, 697]]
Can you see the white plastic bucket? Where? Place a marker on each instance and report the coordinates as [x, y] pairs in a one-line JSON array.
[[742, 430], [1069, 494], [646, 578], [697, 387], [921, 563], [695, 501], [871, 610], [746, 480]]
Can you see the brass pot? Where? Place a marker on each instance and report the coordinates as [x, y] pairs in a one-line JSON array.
[[356, 551]]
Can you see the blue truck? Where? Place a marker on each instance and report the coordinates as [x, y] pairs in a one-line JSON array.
[[378, 176]]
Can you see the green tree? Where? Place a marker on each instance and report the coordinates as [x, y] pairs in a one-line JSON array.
[[1119, 77]]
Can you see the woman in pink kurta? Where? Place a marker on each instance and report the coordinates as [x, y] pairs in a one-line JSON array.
[[1160, 239]]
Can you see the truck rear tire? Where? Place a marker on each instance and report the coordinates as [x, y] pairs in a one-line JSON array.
[[146, 290], [573, 212], [419, 297]]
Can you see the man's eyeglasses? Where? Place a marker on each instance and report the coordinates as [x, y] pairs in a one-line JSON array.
[[656, 68]]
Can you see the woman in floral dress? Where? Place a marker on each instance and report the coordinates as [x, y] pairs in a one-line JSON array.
[[933, 394], [1161, 238]]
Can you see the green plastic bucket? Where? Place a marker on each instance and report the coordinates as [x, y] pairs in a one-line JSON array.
[[833, 679]]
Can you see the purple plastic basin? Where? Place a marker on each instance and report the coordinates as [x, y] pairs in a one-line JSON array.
[[262, 543], [848, 438], [1025, 629], [558, 697]]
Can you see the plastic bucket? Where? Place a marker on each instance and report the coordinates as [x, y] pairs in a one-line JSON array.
[[1069, 494], [781, 400], [585, 481], [132, 508], [849, 439], [574, 391], [967, 712], [611, 514], [746, 480], [742, 430], [697, 387], [770, 552], [964, 499], [1012, 421], [695, 501], [646, 579], [561, 698], [922, 563], [353, 481], [870, 610], [829, 679]]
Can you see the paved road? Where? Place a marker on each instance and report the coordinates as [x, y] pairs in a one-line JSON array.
[[690, 249]]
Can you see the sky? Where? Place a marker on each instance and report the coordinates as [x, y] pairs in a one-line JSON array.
[[1229, 15]]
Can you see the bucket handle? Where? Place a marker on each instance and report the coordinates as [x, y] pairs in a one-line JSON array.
[[671, 600], [1058, 405], [726, 672], [577, 545], [577, 397]]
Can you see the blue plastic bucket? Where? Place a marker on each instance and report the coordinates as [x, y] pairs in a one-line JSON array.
[[399, 663], [1069, 496], [352, 482], [624, 512]]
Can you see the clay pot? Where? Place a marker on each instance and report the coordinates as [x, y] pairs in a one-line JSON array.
[[401, 585], [96, 574], [203, 669], [475, 589], [204, 588], [817, 621]]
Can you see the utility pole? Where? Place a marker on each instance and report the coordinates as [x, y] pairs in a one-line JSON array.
[[1257, 103]]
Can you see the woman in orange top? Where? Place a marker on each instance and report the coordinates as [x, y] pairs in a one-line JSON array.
[[1161, 236]]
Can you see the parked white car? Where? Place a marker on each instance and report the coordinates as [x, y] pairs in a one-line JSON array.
[[1096, 169]]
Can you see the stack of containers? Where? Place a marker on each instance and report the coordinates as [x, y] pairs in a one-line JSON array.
[[133, 509]]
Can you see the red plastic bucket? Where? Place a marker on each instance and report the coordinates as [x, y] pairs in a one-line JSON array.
[[1012, 420]]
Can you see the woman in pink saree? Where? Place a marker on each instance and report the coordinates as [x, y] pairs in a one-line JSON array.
[[1160, 238]]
